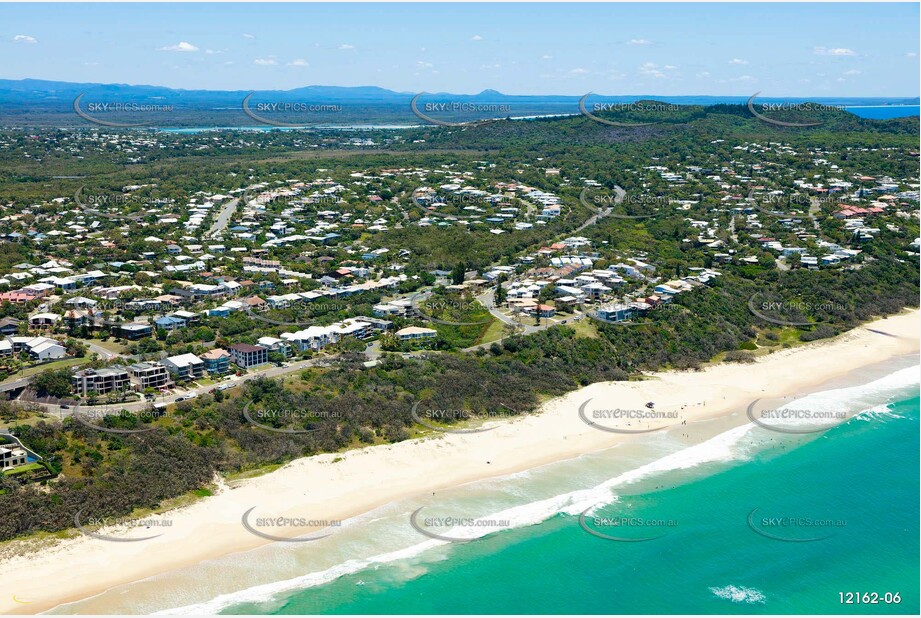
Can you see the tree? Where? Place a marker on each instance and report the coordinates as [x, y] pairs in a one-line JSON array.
[[457, 275], [276, 357], [53, 383], [501, 294]]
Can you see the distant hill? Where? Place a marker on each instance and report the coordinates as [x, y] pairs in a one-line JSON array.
[[35, 102]]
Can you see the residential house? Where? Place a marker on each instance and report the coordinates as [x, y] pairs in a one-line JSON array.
[[81, 302], [615, 313], [311, 338], [44, 320], [101, 381], [275, 345], [47, 350], [377, 323], [150, 375], [38, 289], [17, 298], [185, 366], [412, 333], [216, 361], [12, 455], [246, 355], [9, 326], [75, 318], [543, 311], [255, 303], [169, 323], [133, 330], [349, 328], [186, 316], [388, 309]]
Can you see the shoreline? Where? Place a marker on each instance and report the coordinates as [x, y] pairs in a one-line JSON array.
[[343, 485]]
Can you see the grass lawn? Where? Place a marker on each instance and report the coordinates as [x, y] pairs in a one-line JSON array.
[[31, 371], [494, 332], [584, 328], [32, 467], [111, 346]]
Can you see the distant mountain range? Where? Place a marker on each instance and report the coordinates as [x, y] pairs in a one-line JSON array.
[[23, 90], [42, 102]]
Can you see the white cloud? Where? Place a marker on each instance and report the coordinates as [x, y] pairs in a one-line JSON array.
[[833, 51], [911, 55], [852, 72], [24, 38], [211, 52], [247, 35], [346, 46], [703, 74], [639, 42], [424, 65], [182, 46], [579, 73], [490, 66], [300, 62], [476, 37], [546, 57], [651, 69], [265, 62], [738, 61]]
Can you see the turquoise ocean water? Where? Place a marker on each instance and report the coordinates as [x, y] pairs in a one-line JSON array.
[[864, 473], [883, 112], [746, 520]]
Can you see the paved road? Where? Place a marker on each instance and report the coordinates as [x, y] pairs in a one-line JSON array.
[[15, 384], [815, 208], [223, 218], [526, 327], [593, 219]]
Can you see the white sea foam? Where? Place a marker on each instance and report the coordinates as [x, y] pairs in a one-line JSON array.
[[852, 401], [880, 412], [717, 449], [739, 594]]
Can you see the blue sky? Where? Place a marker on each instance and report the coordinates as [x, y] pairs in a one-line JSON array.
[[666, 49]]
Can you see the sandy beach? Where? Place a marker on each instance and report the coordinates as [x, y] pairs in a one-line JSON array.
[[338, 486]]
